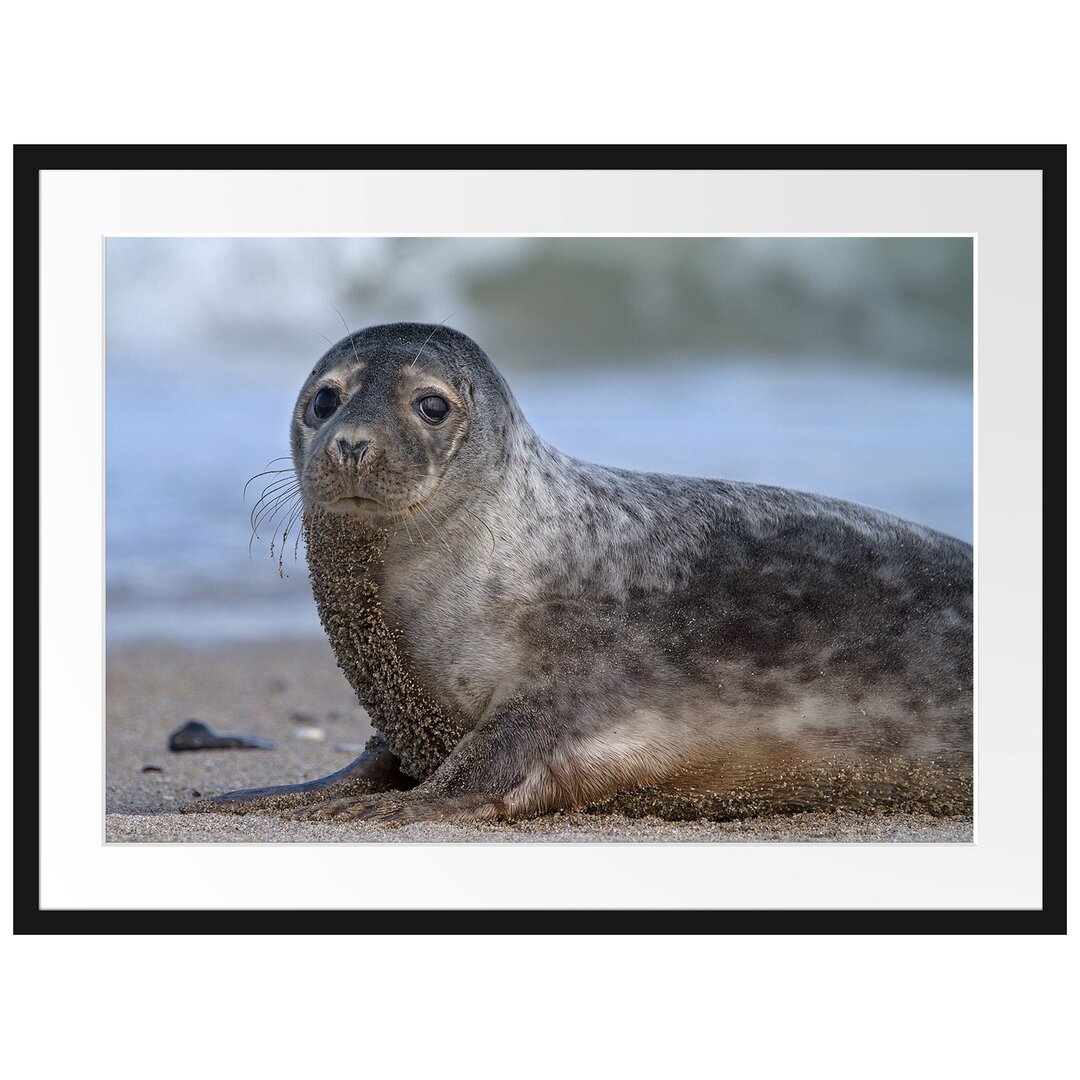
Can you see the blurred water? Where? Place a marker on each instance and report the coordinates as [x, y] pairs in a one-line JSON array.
[[544, 302], [181, 443]]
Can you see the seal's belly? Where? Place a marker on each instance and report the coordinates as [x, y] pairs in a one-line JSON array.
[[942, 787]]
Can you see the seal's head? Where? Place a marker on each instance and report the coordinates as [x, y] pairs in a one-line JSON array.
[[388, 416]]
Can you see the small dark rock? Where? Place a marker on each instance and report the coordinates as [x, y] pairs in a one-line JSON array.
[[303, 718], [152, 768], [195, 735], [277, 686], [196, 794]]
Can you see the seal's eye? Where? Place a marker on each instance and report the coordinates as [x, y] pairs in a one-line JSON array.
[[325, 403], [433, 408]]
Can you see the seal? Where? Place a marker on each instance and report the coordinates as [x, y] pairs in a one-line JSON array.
[[530, 632]]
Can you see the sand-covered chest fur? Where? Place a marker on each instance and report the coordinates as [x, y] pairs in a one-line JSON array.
[[342, 554]]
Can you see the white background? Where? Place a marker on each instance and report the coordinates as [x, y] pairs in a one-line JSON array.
[[785, 72]]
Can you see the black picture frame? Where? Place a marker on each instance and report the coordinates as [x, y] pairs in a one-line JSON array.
[[31, 160]]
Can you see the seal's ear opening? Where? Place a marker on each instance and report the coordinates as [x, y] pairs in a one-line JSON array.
[[470, 393]]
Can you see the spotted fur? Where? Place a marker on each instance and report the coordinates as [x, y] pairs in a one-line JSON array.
[[585, 633]]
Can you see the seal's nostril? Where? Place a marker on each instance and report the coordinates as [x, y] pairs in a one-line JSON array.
[[355, 450]]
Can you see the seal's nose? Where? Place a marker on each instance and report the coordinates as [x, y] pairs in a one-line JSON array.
[[352, 451]]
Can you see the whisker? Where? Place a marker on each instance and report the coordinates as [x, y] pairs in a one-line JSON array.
[[429, 337], [265, 472], [349, 332], [419, 472], [272, 510], [446, 514], [285, 535], [269, 511], [470, 527], [276, 487], [435, 528], [485, 524], [255, 535], [423, 538], [288, 520]]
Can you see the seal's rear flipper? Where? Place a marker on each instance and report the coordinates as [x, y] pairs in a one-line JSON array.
[[376, 769]]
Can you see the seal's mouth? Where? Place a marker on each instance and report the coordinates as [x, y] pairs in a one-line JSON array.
[[358, 506], [357, 502]]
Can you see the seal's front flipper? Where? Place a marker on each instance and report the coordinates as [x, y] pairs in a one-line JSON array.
[[513, 765], [376, 769]]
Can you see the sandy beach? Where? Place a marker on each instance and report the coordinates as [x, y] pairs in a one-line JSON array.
[[293, 694]]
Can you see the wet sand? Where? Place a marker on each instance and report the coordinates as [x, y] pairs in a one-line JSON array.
[[292, 693]]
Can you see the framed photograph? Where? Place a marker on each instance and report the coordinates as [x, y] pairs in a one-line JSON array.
[[632, 531]]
